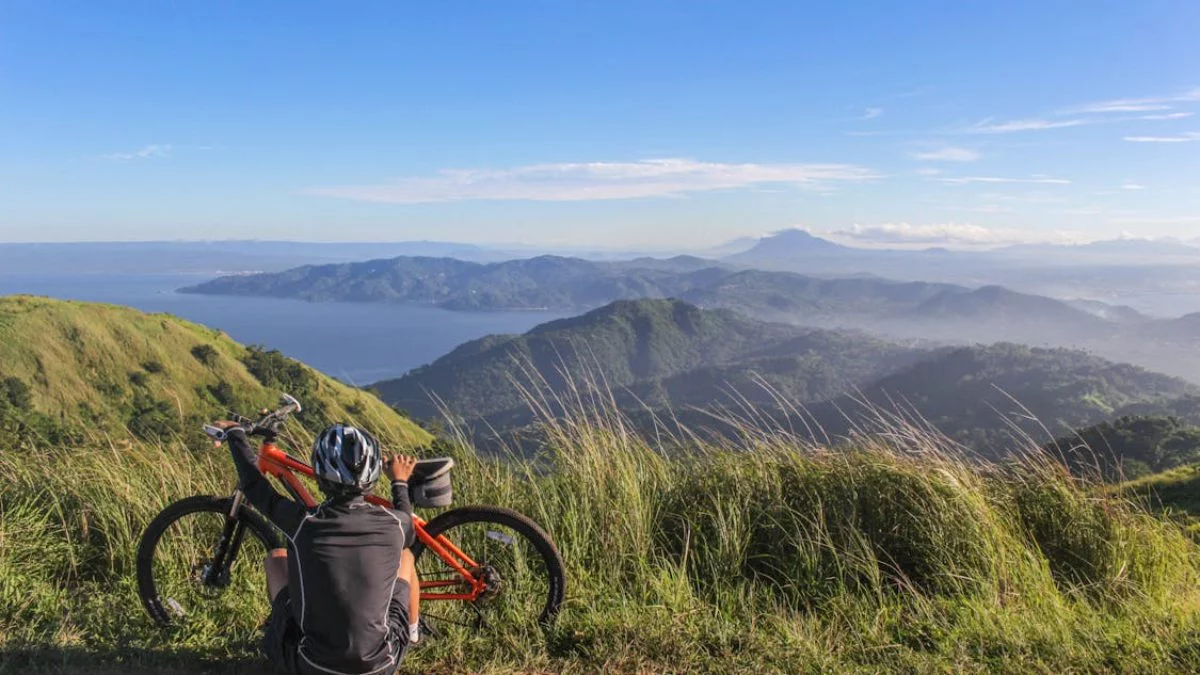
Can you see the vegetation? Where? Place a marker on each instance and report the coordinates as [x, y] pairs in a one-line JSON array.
[[765, 551], [772, 555], [573, 284], [1131, 447], [983, 396], [667, 360], [896, 310], [656, 353], [71, 370]]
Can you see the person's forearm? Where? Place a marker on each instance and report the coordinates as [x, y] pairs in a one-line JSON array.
[[245, 459], [253, 483], [402, 503], [400, 499]]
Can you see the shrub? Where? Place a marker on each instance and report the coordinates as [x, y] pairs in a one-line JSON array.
[[205, 354]]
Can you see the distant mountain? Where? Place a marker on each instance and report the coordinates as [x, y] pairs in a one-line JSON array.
[[210, 257], [887, 308], [990, 306], [785, 295], [791, 244], [69, 368], [573, 284], [650, 352], [976, 393], [666, 355], [1120, 314]]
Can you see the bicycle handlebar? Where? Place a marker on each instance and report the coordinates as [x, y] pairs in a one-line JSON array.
[[268, 423]]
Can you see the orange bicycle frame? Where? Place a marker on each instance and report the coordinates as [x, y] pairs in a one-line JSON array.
[[275, 462]]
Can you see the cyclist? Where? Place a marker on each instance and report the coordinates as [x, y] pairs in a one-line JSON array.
[[344, 593]]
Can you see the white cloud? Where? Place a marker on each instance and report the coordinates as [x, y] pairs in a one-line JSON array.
[[145, 152], [587, 181], [1188, 137], [1145, 104], [945, 234], [1157, 220], [1132, 186], [948, 154], [1036, 180], [1168, 116], [989, 127], [871, 113], [927, 171], [984, 208]]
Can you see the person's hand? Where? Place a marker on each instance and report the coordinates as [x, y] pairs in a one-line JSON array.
[[224, 424], [399, 467]]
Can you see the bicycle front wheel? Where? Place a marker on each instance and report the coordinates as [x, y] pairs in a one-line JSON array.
[[518, 563], [199, 569]]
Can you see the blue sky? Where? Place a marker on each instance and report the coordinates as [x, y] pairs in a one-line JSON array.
[[649, 124]]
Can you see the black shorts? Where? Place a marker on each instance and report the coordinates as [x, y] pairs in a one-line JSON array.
[[281, 639]]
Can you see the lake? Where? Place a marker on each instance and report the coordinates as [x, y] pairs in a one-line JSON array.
[[359, 343]]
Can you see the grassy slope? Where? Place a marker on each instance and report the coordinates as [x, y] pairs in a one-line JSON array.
[[88, 362], [774, 556]]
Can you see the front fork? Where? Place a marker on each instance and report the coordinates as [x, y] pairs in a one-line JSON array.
[[228, 546]]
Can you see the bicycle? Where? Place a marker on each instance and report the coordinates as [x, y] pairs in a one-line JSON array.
[[194, 551]]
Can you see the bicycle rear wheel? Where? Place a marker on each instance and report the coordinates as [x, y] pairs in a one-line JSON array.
[[198, 569], [516, 558]]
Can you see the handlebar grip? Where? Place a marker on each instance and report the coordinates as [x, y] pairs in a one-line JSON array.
[[216, 433]]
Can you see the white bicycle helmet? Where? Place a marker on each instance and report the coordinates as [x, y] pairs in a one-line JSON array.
[[346, 460]]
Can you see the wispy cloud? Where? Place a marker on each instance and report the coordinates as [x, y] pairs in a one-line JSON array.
[[1188, 137], [945, 234], [989, 126], [927, 171], [145, 152], [1096, 112], [1036, 180], [982, 208], [948, 154], [1168, 116], [1156, 220], [1143, 104], [871, 113], [1132, 186], [588, 181]]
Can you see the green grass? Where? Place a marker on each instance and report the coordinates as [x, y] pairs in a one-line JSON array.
[[104, 371], [768, 555]]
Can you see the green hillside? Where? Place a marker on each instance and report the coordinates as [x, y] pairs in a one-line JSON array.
[[984, 395], [1130, 447], [72, 369], [649, 353]]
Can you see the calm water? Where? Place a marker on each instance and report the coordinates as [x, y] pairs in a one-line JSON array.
[[355, 342]]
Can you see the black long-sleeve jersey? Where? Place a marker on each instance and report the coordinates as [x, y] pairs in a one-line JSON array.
[[342, 562]]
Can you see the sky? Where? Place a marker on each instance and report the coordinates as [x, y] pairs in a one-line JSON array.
[[652, 124]]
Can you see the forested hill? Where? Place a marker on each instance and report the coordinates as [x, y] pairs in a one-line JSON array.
[[71, 368], [985, 395], [668, 351], [571, 284], [657, 355]]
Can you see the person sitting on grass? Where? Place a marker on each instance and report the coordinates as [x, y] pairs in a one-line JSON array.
[[344, 593]]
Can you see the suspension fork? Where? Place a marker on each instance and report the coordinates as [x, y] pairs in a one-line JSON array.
[[230, 543]]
